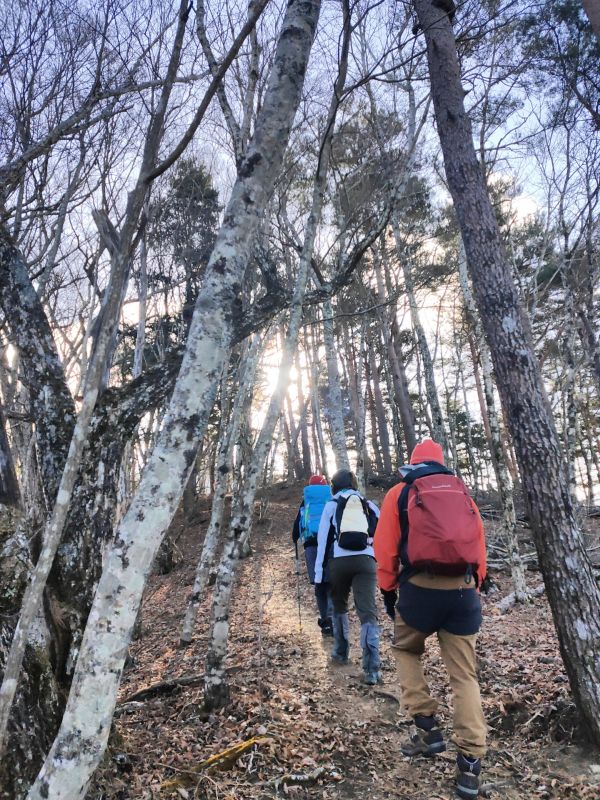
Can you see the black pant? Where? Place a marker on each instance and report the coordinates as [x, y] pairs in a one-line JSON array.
[[358, 573]]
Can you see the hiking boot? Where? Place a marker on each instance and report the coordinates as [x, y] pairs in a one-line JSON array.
[[428, 740], [468, 771], [326, 626], [341, 645], [338, 659], [372, 678]]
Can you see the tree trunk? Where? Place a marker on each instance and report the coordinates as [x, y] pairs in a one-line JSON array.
[[82, 738], [592, 9], [32, 599], [9, 486], [438, 431], [382, 423], [215, 684], [306, 461], [375, 443], [389, 327], [51, 403], [335, 406], [473, 466], [316, 405], [228, 439], [570, 584], [505, 488]]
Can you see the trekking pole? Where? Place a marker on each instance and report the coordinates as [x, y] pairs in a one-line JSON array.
[[298, 586]]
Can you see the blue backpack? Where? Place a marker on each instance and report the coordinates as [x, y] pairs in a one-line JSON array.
[[315, 498]]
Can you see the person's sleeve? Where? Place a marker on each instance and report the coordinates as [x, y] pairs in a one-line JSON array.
[[387, 542], [296, 530], [322, 537]]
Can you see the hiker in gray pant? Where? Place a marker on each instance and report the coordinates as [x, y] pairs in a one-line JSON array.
[[350, 569]]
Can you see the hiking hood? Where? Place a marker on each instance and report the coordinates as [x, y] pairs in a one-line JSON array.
[[427, 450]]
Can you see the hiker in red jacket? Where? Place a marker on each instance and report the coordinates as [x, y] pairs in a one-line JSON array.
[[430, 551]]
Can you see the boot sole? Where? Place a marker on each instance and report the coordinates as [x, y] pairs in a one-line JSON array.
[[467, 794]]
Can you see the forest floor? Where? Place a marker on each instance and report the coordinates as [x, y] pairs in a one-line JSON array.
[[321, 732]]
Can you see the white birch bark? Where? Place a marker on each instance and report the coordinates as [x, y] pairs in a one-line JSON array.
[[120, 247], [140, 339], [215, 686], [335, 406], [32, 599], [316, 410], [82, 737], [224, 468]]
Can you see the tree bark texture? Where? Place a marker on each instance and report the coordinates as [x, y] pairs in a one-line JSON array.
[[32, 599], [9, 486], [335, 407], [51, 404], [223, 471], [571, 587], [505, 488], [215, 686], [86, 723], [438, 427]]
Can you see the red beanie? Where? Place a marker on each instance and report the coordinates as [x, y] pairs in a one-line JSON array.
[[317, 480], [427, 450]]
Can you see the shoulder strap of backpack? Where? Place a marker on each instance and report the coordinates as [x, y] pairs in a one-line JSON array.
[[403, 517], [331, 537], [431, 468], [341, 505]]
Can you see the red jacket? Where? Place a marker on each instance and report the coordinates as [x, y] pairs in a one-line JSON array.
[[387, 535]]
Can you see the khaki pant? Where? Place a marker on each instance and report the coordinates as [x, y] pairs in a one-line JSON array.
[[458, 653]]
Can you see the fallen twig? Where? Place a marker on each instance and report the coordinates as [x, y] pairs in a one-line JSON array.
[[223, 759], [163, 687], [510, 600], [299, 778]]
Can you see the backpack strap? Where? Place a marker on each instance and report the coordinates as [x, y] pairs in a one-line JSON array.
[[331, 537], [341, 505], [428, 468], [403, 517]]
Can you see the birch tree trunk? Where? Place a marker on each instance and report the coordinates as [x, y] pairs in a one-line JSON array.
[[335, 407], [505, 488], [51, 403], [223, 473], [32, 599], [215, 685], [9, 486], [82, 738], [570, 584]]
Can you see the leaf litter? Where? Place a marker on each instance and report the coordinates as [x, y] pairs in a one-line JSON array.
[[298, 727]]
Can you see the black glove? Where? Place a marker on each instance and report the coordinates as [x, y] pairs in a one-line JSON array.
[[486, 584], [390, 598]]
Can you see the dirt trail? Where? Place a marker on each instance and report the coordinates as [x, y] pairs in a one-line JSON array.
[[318, 722]]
